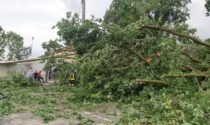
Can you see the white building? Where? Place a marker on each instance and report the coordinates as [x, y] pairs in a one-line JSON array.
[[21, 66]]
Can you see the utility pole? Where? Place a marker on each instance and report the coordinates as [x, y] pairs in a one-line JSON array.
[[32, 42], [83, 10]]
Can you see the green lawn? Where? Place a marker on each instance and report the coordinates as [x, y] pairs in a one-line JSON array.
[[46, 102]]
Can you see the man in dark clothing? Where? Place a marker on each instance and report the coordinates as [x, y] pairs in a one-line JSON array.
[[35, 75], [39, 77]]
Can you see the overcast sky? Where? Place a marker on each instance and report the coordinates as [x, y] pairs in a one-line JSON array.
[[36, 17]]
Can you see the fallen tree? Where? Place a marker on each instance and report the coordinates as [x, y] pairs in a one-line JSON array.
[[186, 36], [189, 75], [198, 73]]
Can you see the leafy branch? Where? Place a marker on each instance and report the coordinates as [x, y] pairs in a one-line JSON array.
[[194, 39]]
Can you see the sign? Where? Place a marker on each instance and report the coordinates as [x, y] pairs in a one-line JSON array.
[[25, 52]]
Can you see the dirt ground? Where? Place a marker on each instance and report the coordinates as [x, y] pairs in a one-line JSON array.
[[103, 114]]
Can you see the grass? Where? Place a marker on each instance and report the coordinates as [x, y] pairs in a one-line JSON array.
[[46, 102], [151, 106]]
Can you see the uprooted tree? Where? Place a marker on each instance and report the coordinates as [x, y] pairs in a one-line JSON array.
[[146, 44]]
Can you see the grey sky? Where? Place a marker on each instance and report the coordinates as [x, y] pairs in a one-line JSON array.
[[198, 18], [36, 17]]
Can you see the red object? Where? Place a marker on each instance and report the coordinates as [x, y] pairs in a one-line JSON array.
[[39, 74]]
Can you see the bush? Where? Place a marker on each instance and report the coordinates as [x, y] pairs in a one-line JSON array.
[[63, 72], [14, 79], [166, 108]]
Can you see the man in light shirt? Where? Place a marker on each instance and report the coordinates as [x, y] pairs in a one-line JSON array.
[[29, 74]]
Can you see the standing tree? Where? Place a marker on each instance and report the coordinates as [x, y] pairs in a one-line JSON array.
[[207, 5], [52, 47], [161, 11], [2, 42], [14, 43], [82, 36], [10, 44]]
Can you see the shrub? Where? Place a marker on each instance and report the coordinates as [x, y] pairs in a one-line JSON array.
[[166, 108], [14, 79]]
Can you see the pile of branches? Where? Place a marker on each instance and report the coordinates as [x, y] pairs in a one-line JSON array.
[[2, 96], [199, 67]]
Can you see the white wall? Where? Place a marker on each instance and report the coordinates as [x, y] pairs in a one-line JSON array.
[[36, 65], [22, 68], [5, 68]]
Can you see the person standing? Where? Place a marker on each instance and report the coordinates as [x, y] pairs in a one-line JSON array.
[[36, 75], [29, 74], [39, 77]]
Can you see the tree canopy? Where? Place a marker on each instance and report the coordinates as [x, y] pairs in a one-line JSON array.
[[2, 42], [161, 11], [10, 45], [207, 5], [84, 37]]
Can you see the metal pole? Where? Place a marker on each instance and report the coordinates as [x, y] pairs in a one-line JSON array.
[[32, 42], [83, 10]]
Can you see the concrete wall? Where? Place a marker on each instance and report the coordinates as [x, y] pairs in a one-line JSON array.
[[22, 67], [36, 66], [5, 68]]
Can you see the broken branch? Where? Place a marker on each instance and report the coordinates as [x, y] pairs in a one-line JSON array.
[[192, 58], [151, 82], [194, 39], [127, 67], [136, 53], [187, 75], [192, 69]]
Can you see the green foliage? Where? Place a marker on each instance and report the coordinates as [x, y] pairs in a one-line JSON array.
[[110, 70], [165, 107], [63, 71], [2, 42], [15, 43], [124, 12], [51, 48], [6, 107], [115, 53], [82, 36], [46, 102], [11, 41], [46, 113], [14, 79], [207, 5]]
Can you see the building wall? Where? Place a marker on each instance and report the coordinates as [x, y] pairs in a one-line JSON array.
[[5, 68], [22, 67], [36, 66]]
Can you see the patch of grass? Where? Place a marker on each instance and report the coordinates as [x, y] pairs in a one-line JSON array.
[[48, 103], [47, 113], [87, 122], [6, 107], [114, 113]]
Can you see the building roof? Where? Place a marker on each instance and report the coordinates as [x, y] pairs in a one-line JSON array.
[[1, 59], [19, 61], [67, 53]]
